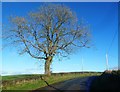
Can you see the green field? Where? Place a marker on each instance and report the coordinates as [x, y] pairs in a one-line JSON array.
[[38, 83], [0, 83]]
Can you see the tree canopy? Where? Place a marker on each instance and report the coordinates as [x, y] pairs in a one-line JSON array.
[[51, 30]]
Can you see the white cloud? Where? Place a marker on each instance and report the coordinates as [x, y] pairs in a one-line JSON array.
[[5, 73], [27, 71]]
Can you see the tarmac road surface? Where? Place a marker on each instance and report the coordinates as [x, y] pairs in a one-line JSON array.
[[78, 84]]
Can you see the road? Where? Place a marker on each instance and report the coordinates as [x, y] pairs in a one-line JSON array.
[[78, 84]]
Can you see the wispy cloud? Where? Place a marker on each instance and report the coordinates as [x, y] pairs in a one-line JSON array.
[[27, 71], [3, 73]]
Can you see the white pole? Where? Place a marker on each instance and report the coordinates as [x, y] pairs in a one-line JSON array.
[[107, 67]]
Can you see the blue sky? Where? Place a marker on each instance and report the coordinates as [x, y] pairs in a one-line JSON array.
[[103, 21], [60, 0]]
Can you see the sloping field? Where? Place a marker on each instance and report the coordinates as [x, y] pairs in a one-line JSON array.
[[32, 82]]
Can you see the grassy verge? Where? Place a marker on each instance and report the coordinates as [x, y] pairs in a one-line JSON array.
[[32, 85], [0, 83], [108, 81]]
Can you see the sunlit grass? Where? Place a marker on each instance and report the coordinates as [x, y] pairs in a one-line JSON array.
[[32, 85]]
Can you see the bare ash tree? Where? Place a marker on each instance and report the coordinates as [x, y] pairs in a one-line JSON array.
[[51, 30]]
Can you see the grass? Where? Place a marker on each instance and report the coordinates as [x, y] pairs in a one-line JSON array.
[[32, 85], [0, 83]]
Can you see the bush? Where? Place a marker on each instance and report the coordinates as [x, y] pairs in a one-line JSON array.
[[109, 81]]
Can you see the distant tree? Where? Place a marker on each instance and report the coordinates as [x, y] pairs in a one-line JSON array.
[[51, 30]]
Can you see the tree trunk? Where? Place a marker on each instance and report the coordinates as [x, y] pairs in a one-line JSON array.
[[47, 66]]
